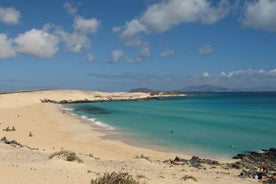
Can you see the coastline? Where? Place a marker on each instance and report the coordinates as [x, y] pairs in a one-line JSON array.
[[54, 130]]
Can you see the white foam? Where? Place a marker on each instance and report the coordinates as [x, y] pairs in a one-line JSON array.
[[98, 123], [101, 124], [92, 120], [84, 117], [66, 108]]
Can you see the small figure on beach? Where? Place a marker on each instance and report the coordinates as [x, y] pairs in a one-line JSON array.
[[31, 134], [263, 168], [13, 129]]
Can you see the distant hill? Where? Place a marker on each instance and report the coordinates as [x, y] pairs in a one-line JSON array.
[[205, 88]]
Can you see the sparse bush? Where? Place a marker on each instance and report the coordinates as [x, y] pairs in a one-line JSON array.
[[66, 155], [187, 177], [143, 157], [115, 178]]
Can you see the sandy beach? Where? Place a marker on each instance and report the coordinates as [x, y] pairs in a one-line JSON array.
[[53, 129]]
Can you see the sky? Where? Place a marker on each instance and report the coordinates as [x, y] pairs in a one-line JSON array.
[[110, 45]]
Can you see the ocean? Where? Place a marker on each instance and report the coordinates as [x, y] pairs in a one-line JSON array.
[[202, 124]]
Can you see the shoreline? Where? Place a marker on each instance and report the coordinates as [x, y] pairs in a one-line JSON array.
[[52, 130], [127, 138]]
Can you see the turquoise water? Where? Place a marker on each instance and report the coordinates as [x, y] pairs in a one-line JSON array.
[[220, 124]]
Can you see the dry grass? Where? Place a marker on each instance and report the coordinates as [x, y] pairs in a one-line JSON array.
[[115, 178], [142, 156], [66, 155], [188, 177]]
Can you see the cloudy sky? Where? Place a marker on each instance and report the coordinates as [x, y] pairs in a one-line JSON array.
[[123, 44]]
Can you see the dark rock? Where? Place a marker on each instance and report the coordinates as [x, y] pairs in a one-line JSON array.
[[12, 143], [256, 164], [177, 159], [194, 161], [239, 156], [210, 162], [258, 159], [248, 174], [236, 165]]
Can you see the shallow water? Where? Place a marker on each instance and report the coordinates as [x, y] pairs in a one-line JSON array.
[[221, 124]]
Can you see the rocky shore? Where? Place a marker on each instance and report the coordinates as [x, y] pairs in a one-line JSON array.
[[257, 165]]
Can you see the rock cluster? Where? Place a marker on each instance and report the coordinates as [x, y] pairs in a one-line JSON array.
[[258, 165], [194, 162], [255, 159]]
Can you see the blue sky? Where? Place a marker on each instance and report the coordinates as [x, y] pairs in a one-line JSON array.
[[123, 44]]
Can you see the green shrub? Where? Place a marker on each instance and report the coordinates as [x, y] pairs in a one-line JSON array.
[[115, 178], [66, 155]]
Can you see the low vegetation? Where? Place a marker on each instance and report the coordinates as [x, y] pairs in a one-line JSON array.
[[142, 156], [188, 177], [66, 155], [115, 178]]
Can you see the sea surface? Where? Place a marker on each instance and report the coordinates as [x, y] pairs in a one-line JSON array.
[[203, 124]]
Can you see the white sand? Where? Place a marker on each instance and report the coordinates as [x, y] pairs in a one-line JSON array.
[[54, 130]]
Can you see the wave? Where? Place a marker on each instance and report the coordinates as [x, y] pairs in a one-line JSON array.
[[67, 109], [101, 124], [93, 121]]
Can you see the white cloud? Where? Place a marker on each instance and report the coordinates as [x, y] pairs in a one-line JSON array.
[[74, 42], [86, 26], [135, 42], [223, 74], [117, 55], [91, 58], [116, 29], [260, 14], [132, 28], [205, 49], [161, 17], [6, 48], [168, 53], [37, 43], [145, 53], [9, 15], [79, 39], [273, 72], [205, 74], [70, 8], [257, 79], [252, 73]]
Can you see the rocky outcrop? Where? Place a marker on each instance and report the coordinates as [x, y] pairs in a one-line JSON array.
[[255, 159], [193, 162], [258, 165]]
